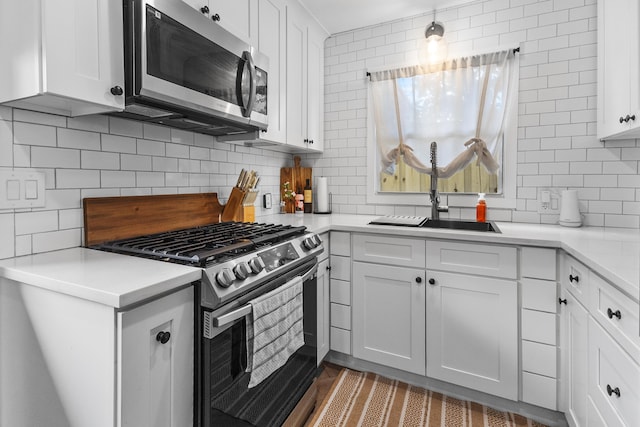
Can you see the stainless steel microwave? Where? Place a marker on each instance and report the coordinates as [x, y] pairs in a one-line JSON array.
[[184, 70]]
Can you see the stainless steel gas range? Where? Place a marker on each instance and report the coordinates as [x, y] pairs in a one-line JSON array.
[[240, 262]]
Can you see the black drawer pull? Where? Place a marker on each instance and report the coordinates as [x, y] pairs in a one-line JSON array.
[[205, 10], [432, 281], [163, 337], [612, 313], [216, 18], [562, 301], [574, 278], [418, 279], [612, 391]]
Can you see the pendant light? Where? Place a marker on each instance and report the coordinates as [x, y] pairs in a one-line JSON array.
[[433, 48]]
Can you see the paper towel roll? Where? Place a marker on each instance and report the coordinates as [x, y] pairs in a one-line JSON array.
[[322, 194]]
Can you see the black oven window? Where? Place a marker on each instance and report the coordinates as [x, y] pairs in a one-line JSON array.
[[181, 56]]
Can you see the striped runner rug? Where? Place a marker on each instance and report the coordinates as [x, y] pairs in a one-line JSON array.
[[366, 399]]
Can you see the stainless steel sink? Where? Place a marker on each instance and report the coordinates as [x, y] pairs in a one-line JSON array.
[[461, 225]]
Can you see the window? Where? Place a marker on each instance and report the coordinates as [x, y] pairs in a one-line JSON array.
[[466, 105]]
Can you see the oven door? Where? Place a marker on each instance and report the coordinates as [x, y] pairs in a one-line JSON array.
[[180, 57], [225, 399]]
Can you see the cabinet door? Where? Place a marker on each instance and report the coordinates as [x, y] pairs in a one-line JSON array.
[[389, 316], [618, 67], [315, 90], [272, 34], [614, 379], [573, 348], [472, 332], [82, 51], [156, 371], [235, 17], [296, 77], [323, 326]]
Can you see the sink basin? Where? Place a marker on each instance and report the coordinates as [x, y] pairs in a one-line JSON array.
[[461, 225]]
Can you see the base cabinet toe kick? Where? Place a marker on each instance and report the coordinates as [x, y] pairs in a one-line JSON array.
[[521, 325]]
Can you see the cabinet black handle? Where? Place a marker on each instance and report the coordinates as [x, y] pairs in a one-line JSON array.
[[204, 9], [612, 313], [574, 278], [562, 301], [163, 337], [117, 91], [612, 391], [626, 119], [632, 118], [305, 140], [418, 279], [311, 141], [621, 119], [432, 281], [216, 17], [328, 267]]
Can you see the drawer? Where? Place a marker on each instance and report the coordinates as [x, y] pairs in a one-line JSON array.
[[539, 326], [341, 316], [340, 340], [327, 247], [389, 250], [340, 243], [594, 418], [617, 313], [575, 278], [340, 292], [540, 359], [539, 390], [538, 263], [340, 268], [470, 258], [539, 295], [614, 379]]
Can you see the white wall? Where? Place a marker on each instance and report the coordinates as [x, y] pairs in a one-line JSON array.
[[557, 146], [96, 156]]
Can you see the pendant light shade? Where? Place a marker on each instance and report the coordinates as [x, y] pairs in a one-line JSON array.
[[434, 30]]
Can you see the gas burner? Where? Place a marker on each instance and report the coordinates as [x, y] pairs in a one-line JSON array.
[[206, 245]]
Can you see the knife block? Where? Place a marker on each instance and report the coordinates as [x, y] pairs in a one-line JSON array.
[[233, 209]]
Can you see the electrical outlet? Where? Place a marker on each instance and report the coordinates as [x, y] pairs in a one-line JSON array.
[[548, 201], [266, 201]]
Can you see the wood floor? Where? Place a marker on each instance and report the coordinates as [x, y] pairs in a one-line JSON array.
[[323, 383]]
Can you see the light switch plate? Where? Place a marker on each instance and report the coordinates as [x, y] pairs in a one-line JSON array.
[[548, 201], [266, 201], [21, 189]]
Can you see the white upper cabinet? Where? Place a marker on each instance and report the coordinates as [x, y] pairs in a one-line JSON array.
[[236, 16], [62, 56], [305, 80], [272, 41], [618, 69]]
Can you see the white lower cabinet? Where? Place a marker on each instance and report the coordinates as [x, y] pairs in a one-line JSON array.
[[472, 332], [614, 379], [389, 316], [156, 369], [323, 326], [573, 348], [340, 292]]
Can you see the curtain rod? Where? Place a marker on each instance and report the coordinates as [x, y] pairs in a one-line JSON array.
[[515, 50]]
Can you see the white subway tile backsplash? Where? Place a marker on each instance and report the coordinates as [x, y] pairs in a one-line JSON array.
[[151, 148], [99, 160], [77, 178], [71, 138], [131, 162], [93, 123], [45, 157], [36, 222], [34, 134], [118, 126], [45, 242], [6, 144], [39, 118], [117, 179], [70, 218], [7, 231], [177, 150], [150, 179], [118, 144]]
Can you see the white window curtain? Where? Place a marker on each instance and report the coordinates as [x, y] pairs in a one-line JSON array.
[[460, 104]]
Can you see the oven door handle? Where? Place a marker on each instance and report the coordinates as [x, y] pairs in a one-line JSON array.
[[239, 313]]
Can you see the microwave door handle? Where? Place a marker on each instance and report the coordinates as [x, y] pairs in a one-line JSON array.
[[248, 108]]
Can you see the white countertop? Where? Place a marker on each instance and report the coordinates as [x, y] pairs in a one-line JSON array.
[[122, 280], [614, 253], [103, 277]]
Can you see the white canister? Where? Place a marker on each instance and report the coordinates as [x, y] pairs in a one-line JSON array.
[[570, 209]]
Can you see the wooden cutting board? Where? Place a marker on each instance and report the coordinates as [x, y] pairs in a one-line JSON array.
[[297, 176]]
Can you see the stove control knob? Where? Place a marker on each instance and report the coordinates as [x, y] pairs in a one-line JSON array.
[[309, 243], [256, 264], [242, 270], [225, 278], [317, 239]]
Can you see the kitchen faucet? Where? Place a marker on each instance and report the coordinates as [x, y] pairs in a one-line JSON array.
[[433, 194]]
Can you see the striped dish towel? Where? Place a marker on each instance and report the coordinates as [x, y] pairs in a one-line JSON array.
[[274, 330]]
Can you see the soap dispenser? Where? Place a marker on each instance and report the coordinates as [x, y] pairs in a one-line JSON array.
[[481, 208]]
